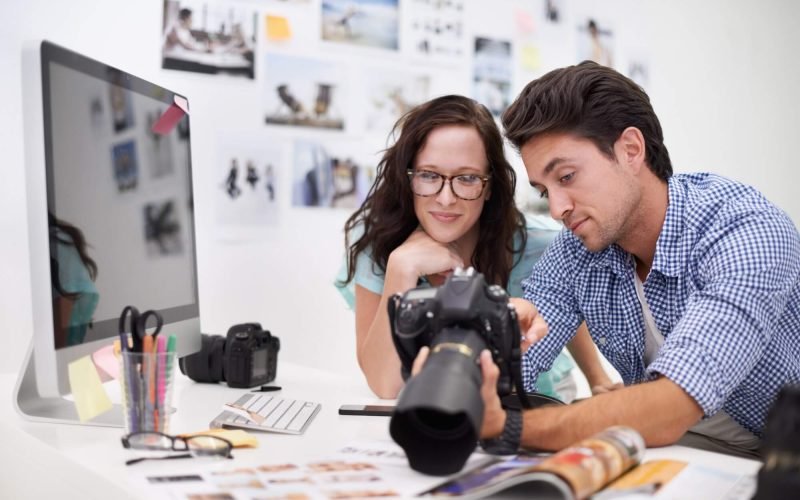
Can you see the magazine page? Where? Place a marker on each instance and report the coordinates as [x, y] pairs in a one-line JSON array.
[[502, 474], [678, 479], [590, 464]]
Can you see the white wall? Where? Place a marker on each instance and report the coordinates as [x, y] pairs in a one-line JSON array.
[[724, 78]]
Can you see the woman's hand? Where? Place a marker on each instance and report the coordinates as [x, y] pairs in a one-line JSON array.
[[531, 324], [425, 256]]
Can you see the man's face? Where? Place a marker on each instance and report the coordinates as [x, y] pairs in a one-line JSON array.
[[594, 196]]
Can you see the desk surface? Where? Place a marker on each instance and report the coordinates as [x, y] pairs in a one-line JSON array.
[[48, 460]]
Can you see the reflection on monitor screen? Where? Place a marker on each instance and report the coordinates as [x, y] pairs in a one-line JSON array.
[[111, 220]]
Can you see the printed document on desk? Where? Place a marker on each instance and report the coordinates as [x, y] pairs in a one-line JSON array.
[[264, 412]]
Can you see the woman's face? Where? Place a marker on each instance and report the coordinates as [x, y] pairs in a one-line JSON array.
[[451, 150]]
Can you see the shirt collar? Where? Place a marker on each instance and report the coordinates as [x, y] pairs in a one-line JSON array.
[[668, 258]]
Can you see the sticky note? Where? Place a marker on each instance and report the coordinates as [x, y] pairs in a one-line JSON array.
[[278, 28], [525, 23], [530, 58], [105, 361], [91, 399], [169, 119], [237, 437]]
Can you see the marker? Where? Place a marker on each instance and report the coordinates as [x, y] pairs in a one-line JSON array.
[[267, 388], [149, 374], [161, 347]]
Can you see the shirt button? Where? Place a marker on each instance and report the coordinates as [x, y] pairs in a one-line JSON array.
[[601, 341]]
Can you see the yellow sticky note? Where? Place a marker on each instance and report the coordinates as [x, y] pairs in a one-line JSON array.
[[278, 28], [237, 437], [530, 58], [91, 399]]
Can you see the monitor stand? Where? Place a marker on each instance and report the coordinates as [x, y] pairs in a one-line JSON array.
[[33, 406]]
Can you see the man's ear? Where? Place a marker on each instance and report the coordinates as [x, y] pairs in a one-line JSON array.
[[630, 148]]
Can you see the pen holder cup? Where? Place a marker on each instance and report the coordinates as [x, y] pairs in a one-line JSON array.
[[147, 381]]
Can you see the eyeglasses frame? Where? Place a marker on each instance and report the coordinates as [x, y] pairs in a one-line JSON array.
[[448, 179], [127, 445]]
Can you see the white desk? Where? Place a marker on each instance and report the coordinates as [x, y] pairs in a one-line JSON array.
[[39, 460]]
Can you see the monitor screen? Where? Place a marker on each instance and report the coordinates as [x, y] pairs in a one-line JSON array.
[[110, 209]]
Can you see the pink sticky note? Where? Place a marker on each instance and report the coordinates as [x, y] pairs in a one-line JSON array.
[[106, 362], [525, 22], [171, 116]]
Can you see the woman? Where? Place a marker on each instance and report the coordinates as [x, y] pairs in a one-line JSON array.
[[443, 198]]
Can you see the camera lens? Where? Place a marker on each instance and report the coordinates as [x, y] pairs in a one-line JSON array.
[[440, 412]]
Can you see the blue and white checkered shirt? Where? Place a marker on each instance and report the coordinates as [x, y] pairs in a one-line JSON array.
[[724, 289]]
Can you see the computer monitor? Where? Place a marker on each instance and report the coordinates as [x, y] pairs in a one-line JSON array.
[[110, 218]]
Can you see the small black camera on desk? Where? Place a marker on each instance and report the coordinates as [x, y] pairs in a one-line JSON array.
[[246, 357]]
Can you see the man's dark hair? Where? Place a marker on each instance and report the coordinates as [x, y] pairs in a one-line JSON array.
[[590, 101], [184, 14]]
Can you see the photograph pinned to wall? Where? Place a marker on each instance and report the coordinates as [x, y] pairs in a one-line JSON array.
[[209, 37], [162, 229], [552, 11], [157, 149], [125, 165], [435, 29], [304, 92], [247, 178], [391, 94], [492, 74], [367, 23], [121, 108], [332, 174], [595, 42], [637, 67]]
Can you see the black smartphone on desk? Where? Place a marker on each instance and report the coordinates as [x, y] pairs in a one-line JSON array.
[[368, 410]]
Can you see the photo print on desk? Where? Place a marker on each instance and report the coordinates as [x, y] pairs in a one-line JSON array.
[[435, 29], [304, 92], [369, 23], [209, 37], [125, 165], [331, 174], [492, 74], [246, 191]]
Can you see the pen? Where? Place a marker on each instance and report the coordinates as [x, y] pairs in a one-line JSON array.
[[161, 347], [267, 388], [148, 374]]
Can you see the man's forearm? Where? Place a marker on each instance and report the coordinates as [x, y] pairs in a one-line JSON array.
[[660, 410]]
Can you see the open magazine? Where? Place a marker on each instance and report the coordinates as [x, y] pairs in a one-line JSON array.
[[577, 471]]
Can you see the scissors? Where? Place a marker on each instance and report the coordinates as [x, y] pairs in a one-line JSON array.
[[138, 327]]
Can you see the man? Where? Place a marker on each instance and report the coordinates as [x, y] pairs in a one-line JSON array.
[[690, 284]]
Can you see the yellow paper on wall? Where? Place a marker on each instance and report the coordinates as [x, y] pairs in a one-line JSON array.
[[530, 58], [278, 28], [91, 399]]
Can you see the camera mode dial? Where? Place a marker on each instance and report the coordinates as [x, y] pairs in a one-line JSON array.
[[496, 293]]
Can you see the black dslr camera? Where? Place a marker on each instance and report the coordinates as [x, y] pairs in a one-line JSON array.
[[246, 357], [439, 414]]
